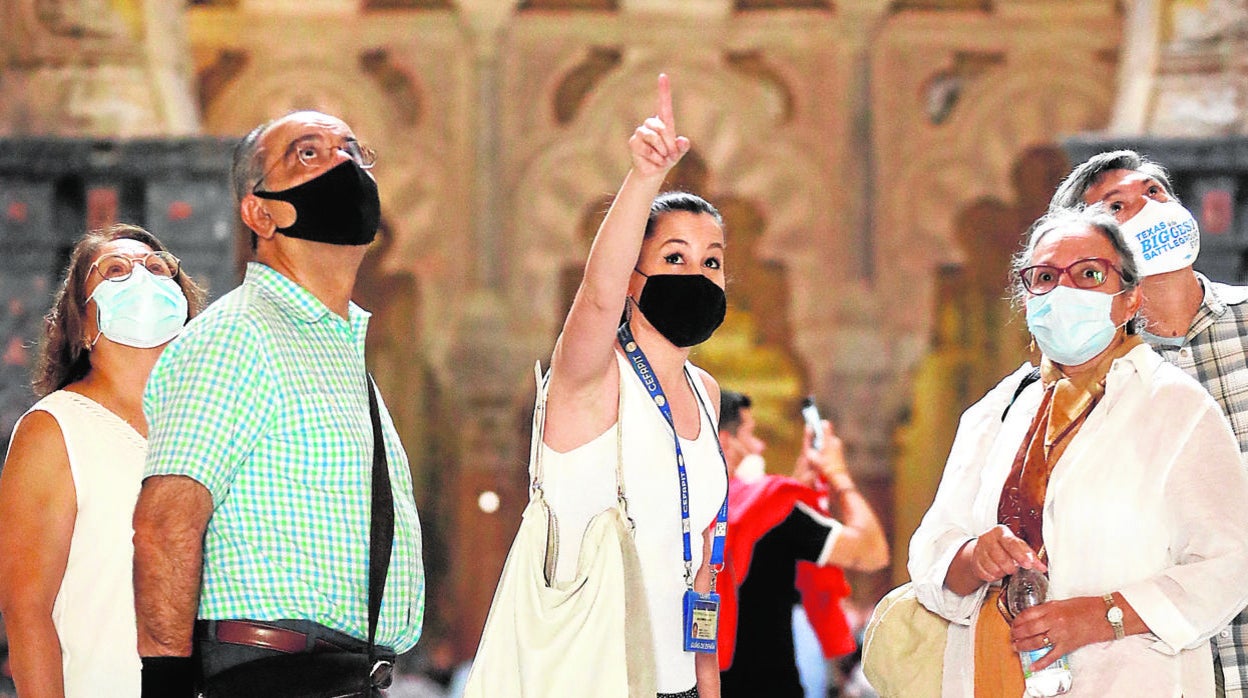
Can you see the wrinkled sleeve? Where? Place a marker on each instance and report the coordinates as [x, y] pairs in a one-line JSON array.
[[951, 520], [205, 403], [1205, 493]]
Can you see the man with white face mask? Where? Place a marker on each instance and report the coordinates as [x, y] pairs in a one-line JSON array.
[[1195, 323], [781, 541]]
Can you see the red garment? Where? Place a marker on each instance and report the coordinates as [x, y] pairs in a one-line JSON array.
[[755, 508]]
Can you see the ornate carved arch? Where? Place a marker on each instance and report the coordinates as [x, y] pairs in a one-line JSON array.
[[972, 159], [414, 173], [747, 154]]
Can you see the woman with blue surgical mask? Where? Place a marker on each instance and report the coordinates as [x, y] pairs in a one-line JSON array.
[[74, 466], [1105, 468]]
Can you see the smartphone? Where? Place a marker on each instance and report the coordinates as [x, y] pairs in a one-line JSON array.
[[810, 413]]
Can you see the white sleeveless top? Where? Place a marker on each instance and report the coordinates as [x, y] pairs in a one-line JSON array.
[[581, 483], [94, 609]]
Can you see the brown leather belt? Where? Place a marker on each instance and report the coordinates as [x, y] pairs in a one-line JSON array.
[[252, 634]]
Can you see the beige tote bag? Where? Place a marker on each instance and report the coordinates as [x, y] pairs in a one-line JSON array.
[[903, 649], [587, 637]]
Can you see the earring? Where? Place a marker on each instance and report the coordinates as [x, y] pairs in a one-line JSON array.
[[627, 316], [1031, 346]]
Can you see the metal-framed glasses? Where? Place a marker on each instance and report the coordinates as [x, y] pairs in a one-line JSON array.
[[1090, 272], [318, 150], [119, 267]]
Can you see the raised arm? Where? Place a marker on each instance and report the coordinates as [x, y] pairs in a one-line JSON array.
[[37, 511], [584, 352], [861, 545]]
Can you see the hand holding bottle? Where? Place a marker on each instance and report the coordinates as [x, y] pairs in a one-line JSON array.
[[998, 552], [1067, 625], [1046, 671]]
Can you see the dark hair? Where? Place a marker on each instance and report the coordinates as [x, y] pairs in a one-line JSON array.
[[1070, 192], [672, 201], [64, 353], [730, 405], [248, 167]]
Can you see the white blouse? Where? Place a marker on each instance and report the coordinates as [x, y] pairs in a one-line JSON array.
[[581, 483], [1150, 499], [94, 608]]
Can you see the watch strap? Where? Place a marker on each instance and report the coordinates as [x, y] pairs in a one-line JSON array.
[[1115, 619]]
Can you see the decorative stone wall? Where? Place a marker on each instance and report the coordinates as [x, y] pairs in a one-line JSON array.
[[861, 148], [99, 68], [1185, 72]]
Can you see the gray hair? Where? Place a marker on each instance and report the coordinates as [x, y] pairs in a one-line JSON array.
[[1094, 217], [1071, 191], [248, 165]]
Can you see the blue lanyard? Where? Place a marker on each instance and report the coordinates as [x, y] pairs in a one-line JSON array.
[[642, 367]]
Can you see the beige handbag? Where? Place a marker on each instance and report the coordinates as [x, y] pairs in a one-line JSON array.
[[589, 636], [903, 649]]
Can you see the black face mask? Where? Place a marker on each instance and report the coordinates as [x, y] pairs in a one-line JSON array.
[[684, 308], [340, 207]]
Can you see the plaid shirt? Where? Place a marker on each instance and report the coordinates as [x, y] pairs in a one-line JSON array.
[[1215, 352], [263, 400]]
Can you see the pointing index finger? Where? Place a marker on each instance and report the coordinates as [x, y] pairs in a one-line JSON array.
[[665, 102]]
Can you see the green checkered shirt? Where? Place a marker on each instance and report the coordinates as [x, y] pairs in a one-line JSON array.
[[263, 400]]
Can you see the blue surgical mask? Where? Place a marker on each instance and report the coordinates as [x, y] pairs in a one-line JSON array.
[[1071, 325], [143, 310]]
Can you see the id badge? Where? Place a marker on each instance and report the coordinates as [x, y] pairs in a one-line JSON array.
[[701, 621]]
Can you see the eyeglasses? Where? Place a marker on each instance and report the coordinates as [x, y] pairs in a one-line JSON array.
[[1090, 272], [119, 267], [317, 150]]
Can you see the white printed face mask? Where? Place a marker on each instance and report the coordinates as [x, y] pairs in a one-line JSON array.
[[142, 311], [1163, 236]]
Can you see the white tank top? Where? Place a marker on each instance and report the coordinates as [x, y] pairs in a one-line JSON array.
[[94, 609], [581, 483]]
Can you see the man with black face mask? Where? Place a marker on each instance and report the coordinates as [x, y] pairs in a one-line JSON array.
[[264, 497]]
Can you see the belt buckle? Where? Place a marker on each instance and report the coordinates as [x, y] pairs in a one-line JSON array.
[[382, 673]]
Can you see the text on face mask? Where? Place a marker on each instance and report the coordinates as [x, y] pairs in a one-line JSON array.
[[1164, 236]]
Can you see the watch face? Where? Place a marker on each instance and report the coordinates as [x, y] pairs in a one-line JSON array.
[[1114, 615]]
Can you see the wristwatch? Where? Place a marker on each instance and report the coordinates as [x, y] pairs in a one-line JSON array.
[[1113, 614]]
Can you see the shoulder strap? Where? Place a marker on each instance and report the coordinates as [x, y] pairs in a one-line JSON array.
[[381, 525], [539, 433], [1031, 377], [539, 429]]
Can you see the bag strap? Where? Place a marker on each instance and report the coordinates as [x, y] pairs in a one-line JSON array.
[[539, 429], [539, 433], [381, 524], [1031, 377]]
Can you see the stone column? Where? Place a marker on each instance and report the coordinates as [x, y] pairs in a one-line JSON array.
[[487, 370]]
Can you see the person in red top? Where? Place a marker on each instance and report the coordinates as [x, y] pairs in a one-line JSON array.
[[782, 541]]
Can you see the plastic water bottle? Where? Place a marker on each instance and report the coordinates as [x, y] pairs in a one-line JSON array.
[[1029, 588]]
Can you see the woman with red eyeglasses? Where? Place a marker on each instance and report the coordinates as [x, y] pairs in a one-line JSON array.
[[1107, 469], [74, 465]]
